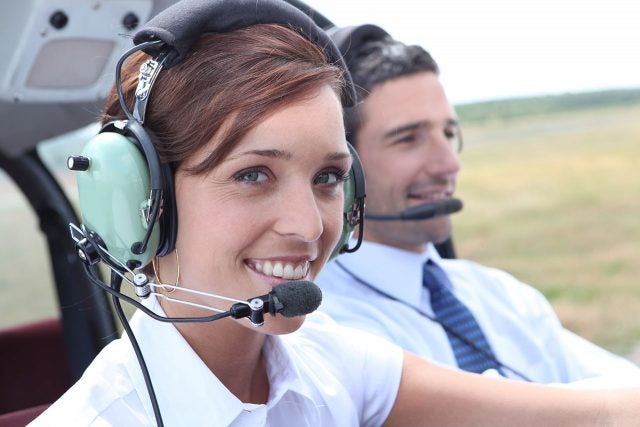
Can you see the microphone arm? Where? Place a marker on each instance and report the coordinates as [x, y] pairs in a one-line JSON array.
[[295, 298], [420, 212], [290, 299]]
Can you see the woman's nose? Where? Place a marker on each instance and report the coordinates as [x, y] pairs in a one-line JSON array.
[[299, 214]]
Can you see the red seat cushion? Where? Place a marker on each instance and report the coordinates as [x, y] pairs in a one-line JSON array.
[[34, 368], [22, 417]]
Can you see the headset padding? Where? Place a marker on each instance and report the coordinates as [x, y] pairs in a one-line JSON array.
[[181, 24], [349, 39]]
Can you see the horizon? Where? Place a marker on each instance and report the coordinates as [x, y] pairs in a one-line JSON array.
[[585, 91]]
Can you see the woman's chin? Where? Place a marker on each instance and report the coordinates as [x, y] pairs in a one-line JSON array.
[[280, 325]]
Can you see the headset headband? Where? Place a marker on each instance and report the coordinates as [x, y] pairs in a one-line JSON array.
[[349, 39], [180, 25]]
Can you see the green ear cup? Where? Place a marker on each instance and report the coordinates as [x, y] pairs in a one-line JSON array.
[[114, 194]]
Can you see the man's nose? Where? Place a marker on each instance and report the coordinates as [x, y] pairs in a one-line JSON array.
[[441, 155]]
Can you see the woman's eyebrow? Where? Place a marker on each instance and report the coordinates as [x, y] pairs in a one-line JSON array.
[[338, 155], [281, 154], [272, 153]]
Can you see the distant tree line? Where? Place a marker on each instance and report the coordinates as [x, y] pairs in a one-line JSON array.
[[518, 107]]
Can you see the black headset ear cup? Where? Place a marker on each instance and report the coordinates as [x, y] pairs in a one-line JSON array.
[[169, 215], [168, 220], [353, 212]]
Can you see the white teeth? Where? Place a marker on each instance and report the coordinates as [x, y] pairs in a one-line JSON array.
[[285, 270], [288, 272], [431, 196], [277, 269], [267, 268]]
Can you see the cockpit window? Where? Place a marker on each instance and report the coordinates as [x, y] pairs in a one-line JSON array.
[[27, 290]]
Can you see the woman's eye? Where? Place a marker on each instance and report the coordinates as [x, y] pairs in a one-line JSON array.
[[331, 177], [251, 176]]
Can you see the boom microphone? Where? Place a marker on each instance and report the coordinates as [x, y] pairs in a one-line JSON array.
[[297, 298], [290, 299], [420, 212]]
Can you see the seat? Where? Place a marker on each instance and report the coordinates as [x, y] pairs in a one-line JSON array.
[[22, 417], [446, 249], [34, 369]]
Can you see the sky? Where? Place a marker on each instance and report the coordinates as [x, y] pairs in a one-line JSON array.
[[504, 48]]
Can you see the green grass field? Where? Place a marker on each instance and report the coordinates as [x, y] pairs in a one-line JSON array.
[[553, 199]]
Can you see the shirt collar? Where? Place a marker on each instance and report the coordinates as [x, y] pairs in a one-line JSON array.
[[187, 391], [181, 380], [396, 272], [282, 371]]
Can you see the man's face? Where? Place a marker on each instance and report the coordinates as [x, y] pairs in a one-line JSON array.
[[408, 145]]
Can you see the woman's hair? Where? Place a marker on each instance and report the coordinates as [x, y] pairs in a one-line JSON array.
[[227, 84]]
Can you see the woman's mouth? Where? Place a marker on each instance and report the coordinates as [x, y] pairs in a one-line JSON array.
[[282, 269]]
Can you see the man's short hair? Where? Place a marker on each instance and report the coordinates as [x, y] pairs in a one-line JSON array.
[[377, 61]]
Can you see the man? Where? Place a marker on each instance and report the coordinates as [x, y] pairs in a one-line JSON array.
[[452, 311]]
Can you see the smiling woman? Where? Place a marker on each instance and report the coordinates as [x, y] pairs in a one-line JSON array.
[[274, 201], [248, 124]]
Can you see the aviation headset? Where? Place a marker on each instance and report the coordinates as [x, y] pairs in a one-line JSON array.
[[126, 193], [349, 40]]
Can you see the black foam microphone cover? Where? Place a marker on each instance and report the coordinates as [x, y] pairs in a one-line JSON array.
[[297, 298], [424, 211], [443, 207]]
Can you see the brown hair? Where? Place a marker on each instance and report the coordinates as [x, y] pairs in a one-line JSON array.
[[235, 79]]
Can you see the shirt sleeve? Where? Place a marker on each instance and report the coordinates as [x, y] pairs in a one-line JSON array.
[[371, 370], [592, 361], [383, 363], [533, 339]]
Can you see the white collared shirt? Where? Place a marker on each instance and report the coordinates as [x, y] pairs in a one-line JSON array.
[[322, 375], [386, 297]]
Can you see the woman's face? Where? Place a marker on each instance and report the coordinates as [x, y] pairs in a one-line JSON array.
[[271, 211]]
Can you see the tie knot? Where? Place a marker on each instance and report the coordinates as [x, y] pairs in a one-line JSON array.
[[433, 277]]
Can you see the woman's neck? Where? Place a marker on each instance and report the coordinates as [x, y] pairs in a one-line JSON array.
[[230, 350], [234, 354]]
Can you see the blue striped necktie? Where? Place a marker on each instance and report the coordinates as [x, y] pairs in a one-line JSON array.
[[458, 322]]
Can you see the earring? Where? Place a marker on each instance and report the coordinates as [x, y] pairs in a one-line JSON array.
[[156, 271]]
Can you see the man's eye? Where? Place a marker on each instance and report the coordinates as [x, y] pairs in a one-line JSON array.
[[454, 137], [451, 133], [405, 139]]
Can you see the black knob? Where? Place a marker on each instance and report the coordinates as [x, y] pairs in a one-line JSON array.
[[130, 21], [87, 252], [58, 19], [78, 163]]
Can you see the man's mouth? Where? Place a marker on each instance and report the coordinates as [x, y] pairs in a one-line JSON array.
[[429, 196]]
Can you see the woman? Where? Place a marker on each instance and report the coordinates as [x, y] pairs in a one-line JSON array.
[[251, 123]]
